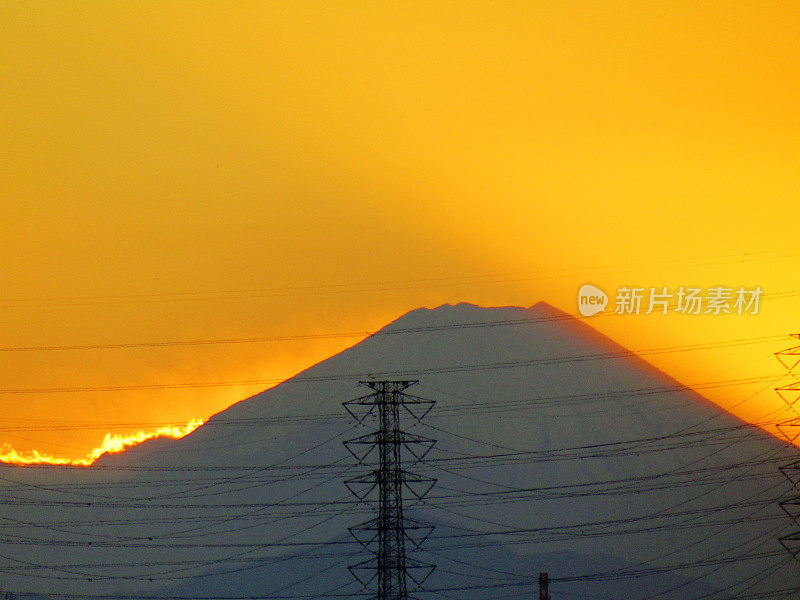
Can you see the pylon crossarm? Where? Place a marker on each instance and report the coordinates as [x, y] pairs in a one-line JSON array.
[[416, 406], [364, 401], [362, 486], [361, 446], [419, 528], [789, 393], [369, 439], [366, 533], [417, 484], [419, 571], [790, 357], [367, 567], [789, 429], [390, 386], [417, 445]]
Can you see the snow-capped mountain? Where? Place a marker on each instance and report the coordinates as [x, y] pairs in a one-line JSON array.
[[557, 450]]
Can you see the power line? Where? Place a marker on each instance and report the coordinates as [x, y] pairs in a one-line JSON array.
[[331, 335], [399, 373], [315, 289], [711, 477], [472, 405]]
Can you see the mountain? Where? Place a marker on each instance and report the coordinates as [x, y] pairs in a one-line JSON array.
[[557, 450]]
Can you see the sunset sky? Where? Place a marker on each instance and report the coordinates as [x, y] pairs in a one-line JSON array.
[[181, 171]]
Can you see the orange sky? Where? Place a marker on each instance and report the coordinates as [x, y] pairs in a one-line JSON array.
[[205, 170]]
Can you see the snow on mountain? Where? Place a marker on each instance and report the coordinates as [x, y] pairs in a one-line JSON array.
[[558, 450]]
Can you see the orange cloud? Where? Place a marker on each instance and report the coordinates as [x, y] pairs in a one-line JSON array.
[[112, 444]]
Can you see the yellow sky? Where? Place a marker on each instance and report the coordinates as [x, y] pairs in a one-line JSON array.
[[203, 170]]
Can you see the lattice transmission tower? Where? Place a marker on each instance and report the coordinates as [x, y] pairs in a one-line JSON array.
[[790, 393], [389, 534]]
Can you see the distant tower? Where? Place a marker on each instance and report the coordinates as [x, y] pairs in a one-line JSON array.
[[385, 536], [790, 393]]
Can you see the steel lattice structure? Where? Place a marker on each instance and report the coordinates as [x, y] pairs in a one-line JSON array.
[[386, 536], [790, 393]]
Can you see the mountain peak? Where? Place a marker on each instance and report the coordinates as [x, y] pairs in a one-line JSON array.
[[466, 313]]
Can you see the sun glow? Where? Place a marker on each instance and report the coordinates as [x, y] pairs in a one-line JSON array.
[[112, 444]]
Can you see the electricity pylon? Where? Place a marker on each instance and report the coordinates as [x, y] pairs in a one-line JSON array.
[[387, 572], [790, 393]]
